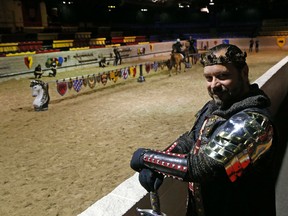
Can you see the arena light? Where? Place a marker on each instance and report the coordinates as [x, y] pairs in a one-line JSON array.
[[205, 10], [111, 7], [68, 2], [180, 5], [211, 2], [161, 1]]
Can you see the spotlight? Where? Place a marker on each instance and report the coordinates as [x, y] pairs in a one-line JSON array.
[[205, 9]]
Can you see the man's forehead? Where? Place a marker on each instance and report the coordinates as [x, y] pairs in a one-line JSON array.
[[215, 68], [220, 69]]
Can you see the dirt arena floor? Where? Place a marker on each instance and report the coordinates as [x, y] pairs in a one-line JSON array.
[[59, 162]]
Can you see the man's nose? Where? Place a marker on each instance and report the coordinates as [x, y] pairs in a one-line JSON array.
[[215, 82]]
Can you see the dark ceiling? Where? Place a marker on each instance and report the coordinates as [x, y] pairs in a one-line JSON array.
[[167, 11], [275, 4]]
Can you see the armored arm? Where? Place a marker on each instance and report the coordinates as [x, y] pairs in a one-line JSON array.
[[242, 140], [239, 142]]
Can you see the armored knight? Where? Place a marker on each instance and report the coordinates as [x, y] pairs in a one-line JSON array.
[[227, 156]]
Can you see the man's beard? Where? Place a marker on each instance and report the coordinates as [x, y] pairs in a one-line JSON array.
[[224, 97]]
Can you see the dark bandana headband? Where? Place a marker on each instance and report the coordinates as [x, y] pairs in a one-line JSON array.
[[231, 56]]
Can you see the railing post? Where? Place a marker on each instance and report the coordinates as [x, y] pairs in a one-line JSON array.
[[141, 78]]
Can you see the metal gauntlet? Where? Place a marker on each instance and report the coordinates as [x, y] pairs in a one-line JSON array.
[[170, 164]]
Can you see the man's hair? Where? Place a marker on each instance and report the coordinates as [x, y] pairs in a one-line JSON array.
[[232, 55]]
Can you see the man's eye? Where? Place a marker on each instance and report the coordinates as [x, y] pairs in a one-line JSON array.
[[208, 79], [222, 76]]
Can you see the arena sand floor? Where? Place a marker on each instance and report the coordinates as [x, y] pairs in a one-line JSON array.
[[59, 162]]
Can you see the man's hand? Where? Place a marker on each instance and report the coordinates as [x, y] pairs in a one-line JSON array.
[[150, 179], [137, 162]]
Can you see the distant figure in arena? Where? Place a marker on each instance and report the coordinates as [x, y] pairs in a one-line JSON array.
[[257, 46], [38, 71], [251, 44], [177, 47], [102, 62], [53, 68], [118, 59], [192, 42]]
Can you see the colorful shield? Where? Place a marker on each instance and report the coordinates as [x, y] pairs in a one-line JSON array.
[[134, 71], [147, 67], [91, 81], [84, 81], [28, 61], [60, 61], [70, 84], [225, 41], [112, 75], [98, 78], [62, 88], [155, 66], [77, 84], [125, 73], [48, 62], [116, 76], [281, 41], [104, 78], [131, 69]]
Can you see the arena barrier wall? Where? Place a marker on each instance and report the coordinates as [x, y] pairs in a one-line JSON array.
[[14, 64], [265, 42], [129, 195]]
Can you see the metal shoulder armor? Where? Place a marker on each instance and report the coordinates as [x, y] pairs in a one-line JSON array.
[[240, 141]]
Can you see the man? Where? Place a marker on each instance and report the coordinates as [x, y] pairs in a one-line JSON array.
[[38, 71], [192, 42], [227, 156], [257, 46], [102, 62], [118, 58], [192, 50], [251, 44], [177, 47], [53, 68]]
